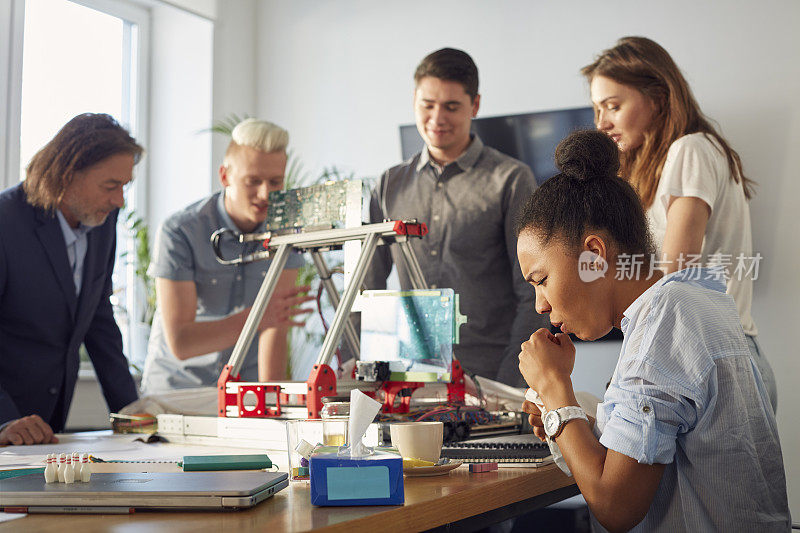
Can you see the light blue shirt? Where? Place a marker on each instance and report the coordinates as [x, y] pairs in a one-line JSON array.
[[183, 252], [687, 393], [77, 243]]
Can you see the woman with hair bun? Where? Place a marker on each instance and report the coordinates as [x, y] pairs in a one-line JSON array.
[[688, 178], [685, 438]]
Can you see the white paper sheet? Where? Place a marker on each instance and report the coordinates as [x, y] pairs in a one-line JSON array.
[[78, 442], [14, 462], [108, 446]]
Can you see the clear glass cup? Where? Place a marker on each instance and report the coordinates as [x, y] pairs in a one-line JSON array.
[[310, 431]]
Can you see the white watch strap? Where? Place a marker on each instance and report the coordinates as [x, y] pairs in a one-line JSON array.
[[564, 415], [571, 412]]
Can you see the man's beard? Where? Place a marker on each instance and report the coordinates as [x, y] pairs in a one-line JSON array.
[[89, 219]]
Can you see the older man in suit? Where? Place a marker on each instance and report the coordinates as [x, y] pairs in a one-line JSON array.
[[57, 250]]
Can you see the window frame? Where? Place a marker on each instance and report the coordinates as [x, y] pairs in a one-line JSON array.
[[12, 25], [136, 33]]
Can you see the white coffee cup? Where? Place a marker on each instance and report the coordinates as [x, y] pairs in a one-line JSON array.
[[418, 440]]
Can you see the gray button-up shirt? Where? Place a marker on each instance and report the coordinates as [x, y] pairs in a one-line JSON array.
[[183, 252], [686, 393], [469, 207]]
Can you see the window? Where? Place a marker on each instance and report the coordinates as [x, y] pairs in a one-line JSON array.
[[66, 72], [88, 56], [74, 56]]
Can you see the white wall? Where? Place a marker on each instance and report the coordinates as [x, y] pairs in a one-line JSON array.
[[204, 8], [234, 71], [338, 75], [179, 155]]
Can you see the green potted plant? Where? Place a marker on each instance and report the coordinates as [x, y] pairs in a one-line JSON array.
[[140, 233], [140, 318]]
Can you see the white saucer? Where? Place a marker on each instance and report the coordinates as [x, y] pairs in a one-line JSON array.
[[435, 470]]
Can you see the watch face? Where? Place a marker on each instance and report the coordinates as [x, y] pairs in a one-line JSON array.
[[551, 421]]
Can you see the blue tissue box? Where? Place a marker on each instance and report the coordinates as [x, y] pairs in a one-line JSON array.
[[376, 479]]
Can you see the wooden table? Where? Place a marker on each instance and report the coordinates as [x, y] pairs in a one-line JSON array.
[[466, 501]]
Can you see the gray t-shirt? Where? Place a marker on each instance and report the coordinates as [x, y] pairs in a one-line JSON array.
[[469, 207], [183, 252]]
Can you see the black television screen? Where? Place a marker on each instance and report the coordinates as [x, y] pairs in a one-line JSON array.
[[530, 137]]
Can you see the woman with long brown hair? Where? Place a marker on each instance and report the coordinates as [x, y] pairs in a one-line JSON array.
[[689, 179]]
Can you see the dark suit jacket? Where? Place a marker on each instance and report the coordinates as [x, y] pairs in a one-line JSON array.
[[43, 322]]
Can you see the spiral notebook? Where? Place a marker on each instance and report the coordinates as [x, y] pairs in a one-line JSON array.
[[507, 450]]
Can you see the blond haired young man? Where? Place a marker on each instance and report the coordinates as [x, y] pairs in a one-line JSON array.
[[201, 304]]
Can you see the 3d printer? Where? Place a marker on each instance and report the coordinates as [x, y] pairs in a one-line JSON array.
[[407, 336]]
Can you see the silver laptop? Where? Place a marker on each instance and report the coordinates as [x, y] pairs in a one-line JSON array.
[[123, 492]]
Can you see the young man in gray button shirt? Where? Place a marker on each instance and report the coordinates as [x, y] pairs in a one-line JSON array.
[[467, 194], [202, 305]]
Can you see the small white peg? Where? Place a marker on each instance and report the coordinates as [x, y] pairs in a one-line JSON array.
[[86, 468], [50, 471], [69, 472], [62, 464]]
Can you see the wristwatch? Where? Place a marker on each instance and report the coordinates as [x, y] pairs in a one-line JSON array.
[[555, 420]]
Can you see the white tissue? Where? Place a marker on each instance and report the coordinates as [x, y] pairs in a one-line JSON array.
[[362, 412], [533, 397]]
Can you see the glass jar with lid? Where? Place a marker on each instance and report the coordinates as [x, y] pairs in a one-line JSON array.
[[335, 415]]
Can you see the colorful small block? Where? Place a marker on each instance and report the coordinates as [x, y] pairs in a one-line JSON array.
[[300, 472], [482, 467]]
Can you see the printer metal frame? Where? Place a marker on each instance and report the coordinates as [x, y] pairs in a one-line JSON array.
[[232, 393]]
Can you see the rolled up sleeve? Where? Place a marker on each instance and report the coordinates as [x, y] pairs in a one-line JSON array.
[[643, 419]]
